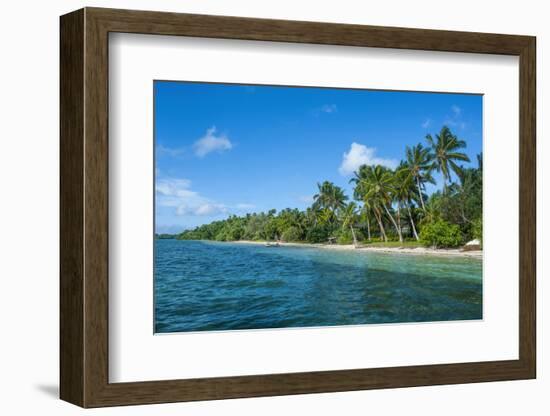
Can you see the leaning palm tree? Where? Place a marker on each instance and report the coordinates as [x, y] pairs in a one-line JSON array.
[[360, 179], [405, 193], [365, 217], [384, 187], [419, 167], [445, 153], [349, 217], [363, 182], [376, 186]]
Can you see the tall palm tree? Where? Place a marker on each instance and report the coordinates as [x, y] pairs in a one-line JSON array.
[[419, 166], [383, 190], [376, 185], [405, 193], [366, 210], [362, 181], [349, 218], [445, 153]]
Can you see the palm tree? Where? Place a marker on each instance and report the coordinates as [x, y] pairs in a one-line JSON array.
[[419, 166], [325, 216], [445, 153], [479, 158], [348, 218], [292, 218], [365, 214], [375, 184], [329, 196], [362, 181], [383, 187], [405, 192], [312, 215], [468, 186]]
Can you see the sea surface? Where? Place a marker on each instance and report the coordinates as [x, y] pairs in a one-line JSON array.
[[211, 286]]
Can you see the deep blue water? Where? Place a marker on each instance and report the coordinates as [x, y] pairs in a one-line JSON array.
[[203, 286]]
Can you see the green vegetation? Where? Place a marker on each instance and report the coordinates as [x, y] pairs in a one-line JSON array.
[[165, 236], [390, 207], [477, 230], [440, 234]]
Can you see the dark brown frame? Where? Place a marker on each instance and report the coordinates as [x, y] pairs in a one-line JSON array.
[[84, 208]]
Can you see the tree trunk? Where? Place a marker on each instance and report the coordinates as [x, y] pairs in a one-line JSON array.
[[420, 193], [353, 234], [463, 214], [382, 231], [394, 224], [412, 223], [445, 187], [398, 217], [368, 228]]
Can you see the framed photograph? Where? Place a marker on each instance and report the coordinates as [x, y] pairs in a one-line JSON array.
[[255, 207]]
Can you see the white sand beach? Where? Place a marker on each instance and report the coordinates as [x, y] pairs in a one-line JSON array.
[[453, 252]]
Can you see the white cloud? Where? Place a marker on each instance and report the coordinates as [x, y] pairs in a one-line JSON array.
[[362, 155], [174, 152], [173, 187], [177, 194], [205, 209], [211, 142], [171, 192], [329, 108], [324, 109], [455, 119], [308, 199], [427, 123]]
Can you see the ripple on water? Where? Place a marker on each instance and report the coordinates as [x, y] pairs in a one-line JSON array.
[[202, 286]]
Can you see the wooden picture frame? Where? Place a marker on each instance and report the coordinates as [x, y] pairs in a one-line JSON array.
[[84, 207]]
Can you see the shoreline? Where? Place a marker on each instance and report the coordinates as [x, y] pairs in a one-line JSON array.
[[449, 252]]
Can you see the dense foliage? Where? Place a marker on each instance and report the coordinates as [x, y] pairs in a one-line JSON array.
[[388, 205], [440, 234]]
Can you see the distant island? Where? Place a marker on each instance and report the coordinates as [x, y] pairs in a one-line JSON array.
[[165, 236]]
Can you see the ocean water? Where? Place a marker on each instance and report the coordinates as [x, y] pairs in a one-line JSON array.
[[207, 286]]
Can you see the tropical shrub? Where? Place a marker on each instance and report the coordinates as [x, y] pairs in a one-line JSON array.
[[440, 234], [292, 234], [477, 229], [344, 236], [317, 234]]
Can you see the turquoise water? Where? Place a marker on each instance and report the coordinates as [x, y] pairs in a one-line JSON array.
[[204, 286]]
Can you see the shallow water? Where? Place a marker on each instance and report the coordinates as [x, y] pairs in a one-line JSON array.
[[203, 286]]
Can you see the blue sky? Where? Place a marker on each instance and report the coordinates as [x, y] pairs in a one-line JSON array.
[[225, 149]]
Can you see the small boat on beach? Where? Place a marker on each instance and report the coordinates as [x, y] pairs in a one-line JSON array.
[[274, 244]]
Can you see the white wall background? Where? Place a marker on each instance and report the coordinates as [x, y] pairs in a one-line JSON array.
[[29, 207]]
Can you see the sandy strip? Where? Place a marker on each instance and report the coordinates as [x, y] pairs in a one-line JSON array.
[[453, 252]]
